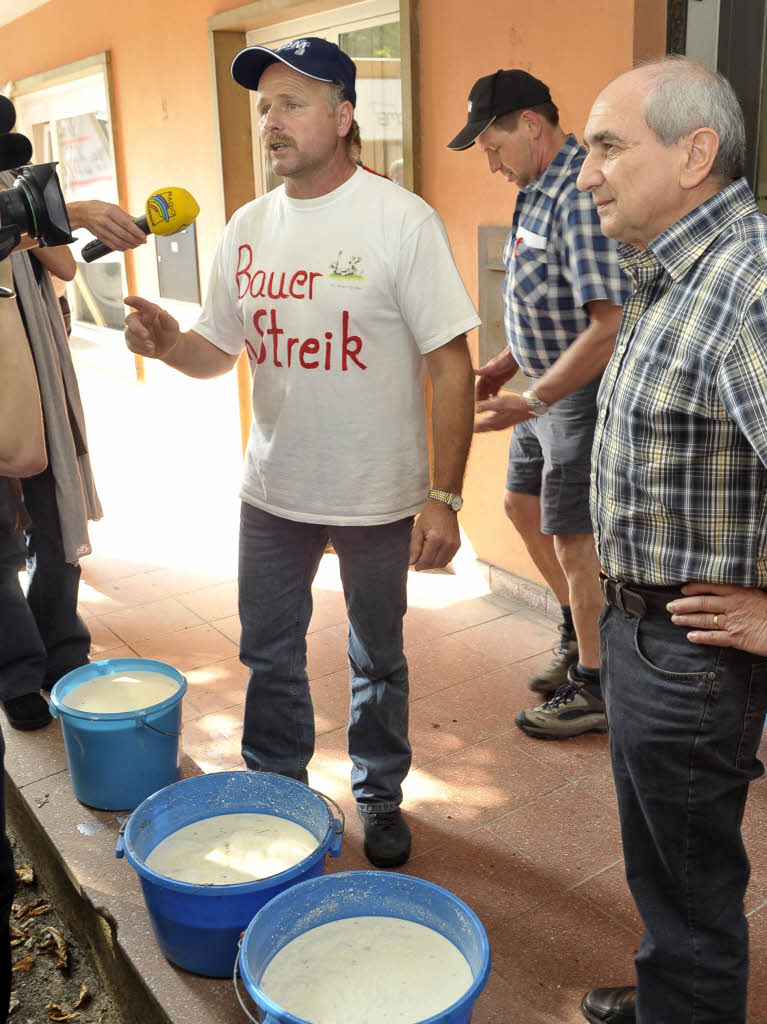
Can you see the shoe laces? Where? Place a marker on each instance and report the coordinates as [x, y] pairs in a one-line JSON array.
[[565, 639], [565, 694]]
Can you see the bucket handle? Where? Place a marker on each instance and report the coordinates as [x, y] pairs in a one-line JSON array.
[[235, 979], [142, 720], [339, 823]]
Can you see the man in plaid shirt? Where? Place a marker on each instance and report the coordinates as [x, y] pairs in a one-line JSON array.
[[562, 295], [679, 483]]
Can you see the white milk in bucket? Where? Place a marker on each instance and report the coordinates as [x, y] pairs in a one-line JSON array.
[[227, 849], [367, 970], [120, 691]]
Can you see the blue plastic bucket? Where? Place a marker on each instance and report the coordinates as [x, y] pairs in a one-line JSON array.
[[198, 926], [116, 760], [362, 894]]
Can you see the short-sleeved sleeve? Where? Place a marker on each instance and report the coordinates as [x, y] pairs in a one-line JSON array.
[[432, 298], [220, 321], [589, 259]]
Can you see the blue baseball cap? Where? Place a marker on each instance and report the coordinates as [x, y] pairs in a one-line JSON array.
[[314, 57]]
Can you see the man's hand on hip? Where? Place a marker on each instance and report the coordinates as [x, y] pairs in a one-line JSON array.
[[503, 411], [436, 537]]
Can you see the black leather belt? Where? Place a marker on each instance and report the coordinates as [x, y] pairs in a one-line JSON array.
[[618, 594]]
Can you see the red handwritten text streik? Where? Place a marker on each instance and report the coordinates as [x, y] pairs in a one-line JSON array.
[[260, 285], [309, 353]]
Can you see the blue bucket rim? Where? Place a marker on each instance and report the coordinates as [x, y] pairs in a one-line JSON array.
[[118, 665], [235, 888], [469, 997]]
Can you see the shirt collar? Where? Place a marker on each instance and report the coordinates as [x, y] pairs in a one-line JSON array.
[[679, 246], [550, 178]]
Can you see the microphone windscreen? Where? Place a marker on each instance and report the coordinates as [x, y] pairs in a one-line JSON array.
[[15, 150], [7, 114], [169, 210]]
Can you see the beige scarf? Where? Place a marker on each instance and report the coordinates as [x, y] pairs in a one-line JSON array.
[[76, 497]]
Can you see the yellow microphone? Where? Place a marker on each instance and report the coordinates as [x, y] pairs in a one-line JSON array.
[[167, 211]]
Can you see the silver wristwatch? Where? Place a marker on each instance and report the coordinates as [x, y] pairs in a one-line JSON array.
[[536, 405]]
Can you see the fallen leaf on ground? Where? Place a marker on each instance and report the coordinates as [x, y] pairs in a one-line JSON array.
[[83, 998], [55, 1012], [31, 909], [55, 943], [24, 965], [25, 874], [18, 935], [43, 909]]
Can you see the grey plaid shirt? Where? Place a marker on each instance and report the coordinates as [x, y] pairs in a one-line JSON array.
[[679, 485], [557, 260]]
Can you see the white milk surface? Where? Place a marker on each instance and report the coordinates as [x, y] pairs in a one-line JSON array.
[[367, 970], [226, 849], [120, 691]]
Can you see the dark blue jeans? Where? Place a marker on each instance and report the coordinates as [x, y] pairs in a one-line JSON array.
[[279, 559], [685, 722], [42, 636]]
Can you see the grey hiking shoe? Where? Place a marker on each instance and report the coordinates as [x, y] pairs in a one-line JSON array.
[[571, 711], [554, 675]]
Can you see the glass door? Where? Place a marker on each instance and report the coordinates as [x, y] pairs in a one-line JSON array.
[[70, 123]]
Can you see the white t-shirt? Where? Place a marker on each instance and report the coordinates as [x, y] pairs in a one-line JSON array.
[[336, 299]]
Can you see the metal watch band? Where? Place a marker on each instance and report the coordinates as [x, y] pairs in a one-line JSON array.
[[453, 501], [537, 406]]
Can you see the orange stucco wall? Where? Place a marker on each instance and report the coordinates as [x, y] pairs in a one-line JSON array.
[[165, 129]]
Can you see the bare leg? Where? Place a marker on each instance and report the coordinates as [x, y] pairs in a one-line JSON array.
[[578, 557], [524, 510], [578, 708]]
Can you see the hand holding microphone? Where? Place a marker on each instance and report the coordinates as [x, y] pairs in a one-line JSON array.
[[167, 211]]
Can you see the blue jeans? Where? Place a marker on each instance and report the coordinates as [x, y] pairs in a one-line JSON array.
[[685, 722], [278, 561]]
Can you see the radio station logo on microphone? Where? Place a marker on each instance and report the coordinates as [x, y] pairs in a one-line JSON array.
[[160, 207]]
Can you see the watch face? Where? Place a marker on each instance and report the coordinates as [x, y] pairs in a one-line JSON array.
[[456, 503]]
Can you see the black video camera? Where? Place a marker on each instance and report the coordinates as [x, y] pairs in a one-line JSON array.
[[34, 205]]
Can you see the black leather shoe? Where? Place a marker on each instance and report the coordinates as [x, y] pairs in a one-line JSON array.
[[27, 712], [610, 1005], [387, 837]]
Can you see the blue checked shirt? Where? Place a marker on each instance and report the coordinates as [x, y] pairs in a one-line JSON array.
[[679, 485], [557, 260]]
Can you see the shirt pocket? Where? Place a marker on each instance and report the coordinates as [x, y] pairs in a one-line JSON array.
[[531, 274]]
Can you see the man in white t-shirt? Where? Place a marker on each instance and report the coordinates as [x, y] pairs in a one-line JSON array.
[[342, 288]]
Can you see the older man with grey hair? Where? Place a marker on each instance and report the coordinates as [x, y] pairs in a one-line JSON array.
[[679, 480]]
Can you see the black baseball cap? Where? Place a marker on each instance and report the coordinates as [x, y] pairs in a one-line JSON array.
[[496, 95], [311, 56]]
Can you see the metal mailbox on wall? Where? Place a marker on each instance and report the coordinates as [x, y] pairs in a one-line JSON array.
[[178, 272]]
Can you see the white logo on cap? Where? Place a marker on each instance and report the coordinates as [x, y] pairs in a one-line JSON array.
[[470, 106], [300, 46]]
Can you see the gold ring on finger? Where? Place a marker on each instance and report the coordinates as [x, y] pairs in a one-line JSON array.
[[716, 622]]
